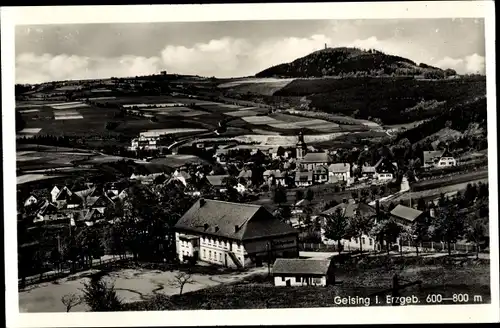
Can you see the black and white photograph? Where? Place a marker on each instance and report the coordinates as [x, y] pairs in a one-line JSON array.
[[338, 163]]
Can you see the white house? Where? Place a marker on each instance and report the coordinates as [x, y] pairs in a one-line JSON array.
[[342, 171], [446, 162], [54, 192], [30, 201], [303, 272], [233, 234]]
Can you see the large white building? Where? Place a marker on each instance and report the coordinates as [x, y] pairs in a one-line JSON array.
[[233, 234]]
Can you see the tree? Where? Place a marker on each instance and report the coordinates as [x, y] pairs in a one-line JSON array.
[[309, 194], [100, 296], [279, 195], [336, 227], [448, 225], [180, 280], [70, 301], [299, 195], [358, 226], [475, 231], [20, 122]]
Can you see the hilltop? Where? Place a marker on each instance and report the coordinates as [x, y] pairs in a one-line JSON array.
[[345, 61]]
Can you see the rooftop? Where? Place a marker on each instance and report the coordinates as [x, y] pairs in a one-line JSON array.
[[216, 180], [301, 266], [339, 167], [316, 158], [231, 220], [350, 209], [407, 213]]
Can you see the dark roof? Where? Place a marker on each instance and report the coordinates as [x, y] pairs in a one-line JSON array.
[[300, 266], [350, 208], [432, 155], [407, 213], [64, 194], [103, 201], [303, 176], [316, 158], [220, 218]]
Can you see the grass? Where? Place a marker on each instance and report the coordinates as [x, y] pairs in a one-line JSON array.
[[362, 277]]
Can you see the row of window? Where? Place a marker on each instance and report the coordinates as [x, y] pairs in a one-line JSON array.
[[215, 256], [298, 279], [218, 243]]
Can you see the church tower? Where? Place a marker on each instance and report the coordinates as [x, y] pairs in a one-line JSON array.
[[301, 146]]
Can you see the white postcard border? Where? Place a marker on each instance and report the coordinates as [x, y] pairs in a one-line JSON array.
[[108, 14]]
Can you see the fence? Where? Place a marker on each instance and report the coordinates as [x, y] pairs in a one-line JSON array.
[[66, 271], [424, 247]]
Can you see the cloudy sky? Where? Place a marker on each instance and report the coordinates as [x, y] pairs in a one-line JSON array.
[[231, 49]]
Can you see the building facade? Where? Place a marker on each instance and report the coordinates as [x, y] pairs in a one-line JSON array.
[[303, 272], [233, 235]]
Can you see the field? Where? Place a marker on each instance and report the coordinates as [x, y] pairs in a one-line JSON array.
[[73, 119], [262, 86]]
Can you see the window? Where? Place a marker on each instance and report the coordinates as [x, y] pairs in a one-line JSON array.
[[356, 240], [297, 279], [317, 280], [370, 241], [363, 240], [282, 278], [220, 257], [210, 255], [204, 254]]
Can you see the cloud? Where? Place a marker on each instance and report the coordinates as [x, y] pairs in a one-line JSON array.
[[467, 65], [225, 57]]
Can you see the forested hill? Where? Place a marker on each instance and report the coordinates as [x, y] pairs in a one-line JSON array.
[[352, 62]]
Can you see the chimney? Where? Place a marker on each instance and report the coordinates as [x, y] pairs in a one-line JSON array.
[[236, 228], [202, 202], [205, 226]]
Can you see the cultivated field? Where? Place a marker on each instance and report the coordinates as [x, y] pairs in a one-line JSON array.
[[262, 86]]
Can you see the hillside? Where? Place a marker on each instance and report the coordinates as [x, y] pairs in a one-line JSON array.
[[351, 62]]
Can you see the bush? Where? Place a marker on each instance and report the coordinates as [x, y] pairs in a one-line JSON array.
[[100, 296]]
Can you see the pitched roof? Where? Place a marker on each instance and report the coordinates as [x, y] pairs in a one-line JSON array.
[[245, 174], [316, 158], [339, 167], [368, 169], [431, 155], [303, 176], [274, 173], [216, 180], [350, 208], [220, 219], [321, 169], [301, 266], [407, 213]]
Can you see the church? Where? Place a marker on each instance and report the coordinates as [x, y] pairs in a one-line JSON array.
[[310, 161]]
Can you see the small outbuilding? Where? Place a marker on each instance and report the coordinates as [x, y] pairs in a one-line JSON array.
[[303, 272]]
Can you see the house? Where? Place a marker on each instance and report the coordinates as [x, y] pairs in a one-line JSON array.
[[46, 211], [446, 160], [233, 234], [303, 179], [342, 171], [320, 174], [350, 209], [274, 177], [246, 175], [217, 182], [368, 171], [181, 176], [312, 160], [53, 193], [431, 158], [31, 200], [406, 216], [385, 170], [303, 272]]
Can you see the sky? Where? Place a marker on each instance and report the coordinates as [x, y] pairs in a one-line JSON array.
[[234, 49]]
